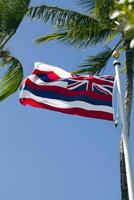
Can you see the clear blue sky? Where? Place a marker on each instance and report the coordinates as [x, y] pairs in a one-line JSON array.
[[46, 155]]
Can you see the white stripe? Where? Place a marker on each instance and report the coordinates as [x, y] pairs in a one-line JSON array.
[[45, 67], [65, 104]]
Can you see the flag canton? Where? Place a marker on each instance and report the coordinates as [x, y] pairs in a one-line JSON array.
[[98, 85]]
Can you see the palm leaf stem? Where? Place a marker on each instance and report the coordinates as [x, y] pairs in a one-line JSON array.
[[7, 39]]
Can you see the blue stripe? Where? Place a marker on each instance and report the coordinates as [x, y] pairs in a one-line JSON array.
[[44, 77], [55, 95]]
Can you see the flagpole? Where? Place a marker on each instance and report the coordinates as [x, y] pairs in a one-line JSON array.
[[124, 134]]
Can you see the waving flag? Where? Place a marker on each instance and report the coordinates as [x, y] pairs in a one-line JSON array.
[[55, 89]]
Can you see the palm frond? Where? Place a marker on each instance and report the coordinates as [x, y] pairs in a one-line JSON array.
[[80, 38], [11, 80], [82, 30], [11, 15], [111, 37], [103, 10], [84, 38], [98, 62], [62, 18], [51, 36]]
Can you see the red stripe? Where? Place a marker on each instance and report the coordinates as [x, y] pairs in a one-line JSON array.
[[51, 75], [68, 92], [73, 111]]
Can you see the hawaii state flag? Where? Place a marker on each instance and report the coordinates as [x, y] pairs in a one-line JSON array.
[[53, 88]]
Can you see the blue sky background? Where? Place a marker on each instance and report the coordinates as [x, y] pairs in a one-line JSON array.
[[47, 155]]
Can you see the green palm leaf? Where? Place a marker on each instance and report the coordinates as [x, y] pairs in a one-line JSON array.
[[11, 15], [11, 80], [95, 64], [60, 17], [103, 9], [80, 38], [52, 36], [83, 30]]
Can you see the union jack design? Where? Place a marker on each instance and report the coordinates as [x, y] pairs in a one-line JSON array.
[[55, 89], [77, 85]]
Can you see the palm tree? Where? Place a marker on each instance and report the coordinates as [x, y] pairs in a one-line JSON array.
[[11, 15], [101, 22]]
